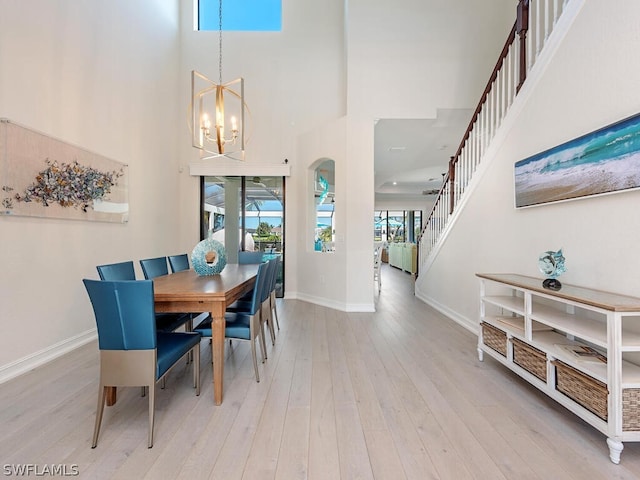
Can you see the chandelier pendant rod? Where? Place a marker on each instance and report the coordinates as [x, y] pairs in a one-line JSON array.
[[220, 42]]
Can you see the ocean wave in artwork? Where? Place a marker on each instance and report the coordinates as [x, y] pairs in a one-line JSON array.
[[604, 161]]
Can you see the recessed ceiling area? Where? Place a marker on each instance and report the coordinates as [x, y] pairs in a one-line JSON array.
[[411, 155]]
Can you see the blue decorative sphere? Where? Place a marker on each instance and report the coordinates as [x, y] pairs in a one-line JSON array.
[[209, 257]]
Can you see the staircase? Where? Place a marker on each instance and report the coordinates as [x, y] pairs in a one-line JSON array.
[[534, 35]]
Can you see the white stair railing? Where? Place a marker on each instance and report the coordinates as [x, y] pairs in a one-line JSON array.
[[535, 21]]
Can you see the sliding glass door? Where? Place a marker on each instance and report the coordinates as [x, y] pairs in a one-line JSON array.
[[247, 212]]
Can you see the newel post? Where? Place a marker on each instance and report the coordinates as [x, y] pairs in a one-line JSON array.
[[522, 25]]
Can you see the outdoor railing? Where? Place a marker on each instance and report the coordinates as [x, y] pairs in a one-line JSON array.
[[534, 23]]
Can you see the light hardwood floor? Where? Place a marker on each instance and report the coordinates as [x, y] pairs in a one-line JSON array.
[[394, 394]]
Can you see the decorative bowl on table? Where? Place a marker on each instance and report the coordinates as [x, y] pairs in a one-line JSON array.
[[209, 257]]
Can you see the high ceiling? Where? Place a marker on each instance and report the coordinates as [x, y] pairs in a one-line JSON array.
[[411, 156], [459, 44]]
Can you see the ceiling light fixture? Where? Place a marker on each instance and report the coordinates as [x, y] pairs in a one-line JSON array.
[[215, 106]]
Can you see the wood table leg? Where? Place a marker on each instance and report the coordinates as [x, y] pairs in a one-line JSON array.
[[217, 346], [111, 396]]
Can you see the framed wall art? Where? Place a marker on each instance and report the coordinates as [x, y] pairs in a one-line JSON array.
[[604, 161], [41, 176]]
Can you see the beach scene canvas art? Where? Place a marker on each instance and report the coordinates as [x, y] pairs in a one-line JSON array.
[[604, 161]]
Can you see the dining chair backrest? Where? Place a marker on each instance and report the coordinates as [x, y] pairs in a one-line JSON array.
[[258, 289], [124, 312], [274, 274], [272, 294], [154, 267], [117, 271], [271, 270], [179, 262], [249, 257]]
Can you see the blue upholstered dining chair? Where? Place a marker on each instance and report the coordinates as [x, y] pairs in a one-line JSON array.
[[117, 271], [154, 267], [266, 313], [272, 291], [167, 322], [245, 325], [179, 262], [126, 271], [245, 258], [132, 351]]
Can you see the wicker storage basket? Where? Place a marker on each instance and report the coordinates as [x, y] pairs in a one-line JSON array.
[[631, 409], [531, 359], [494, 338], [587, 391]]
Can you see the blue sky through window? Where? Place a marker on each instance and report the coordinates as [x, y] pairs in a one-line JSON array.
[[243, 15]]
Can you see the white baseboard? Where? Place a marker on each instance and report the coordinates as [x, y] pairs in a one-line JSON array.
[[28, 363], [325, 302], [470, 325]]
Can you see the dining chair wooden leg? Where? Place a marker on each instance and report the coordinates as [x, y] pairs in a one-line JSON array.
[[196, 368], [99, 411], [152, 404], [255, 360], [265, 317], [188, 327], [272, 301], [261, 338]]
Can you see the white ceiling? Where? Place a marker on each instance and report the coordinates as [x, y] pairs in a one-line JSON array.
[[411, 155], [453, 64]]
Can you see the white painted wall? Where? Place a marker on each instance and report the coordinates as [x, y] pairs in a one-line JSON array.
[[101, 75], [294, 83], [319, 277], [591, 82], [113, 77], [301, 81], [404, 61], [404, 57]]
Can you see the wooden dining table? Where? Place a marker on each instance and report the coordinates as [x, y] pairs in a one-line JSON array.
[[186, 291]]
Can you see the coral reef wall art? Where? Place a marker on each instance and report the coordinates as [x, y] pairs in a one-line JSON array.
[[45, 177]]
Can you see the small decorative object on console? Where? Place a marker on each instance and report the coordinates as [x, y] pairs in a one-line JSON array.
[[551, 264], [209, 257]]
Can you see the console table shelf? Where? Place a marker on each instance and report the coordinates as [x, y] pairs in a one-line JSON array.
[[533, 331]]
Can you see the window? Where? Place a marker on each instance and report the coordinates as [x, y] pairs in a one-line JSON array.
[[324, 195], [397, 226], [241, 15]]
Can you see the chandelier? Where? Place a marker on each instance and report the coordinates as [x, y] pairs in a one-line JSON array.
[[218, 112]]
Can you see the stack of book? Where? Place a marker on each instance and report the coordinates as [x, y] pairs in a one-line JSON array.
[[583, 353]]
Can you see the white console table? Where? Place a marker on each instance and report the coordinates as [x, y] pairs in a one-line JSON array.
[[532, 330]]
